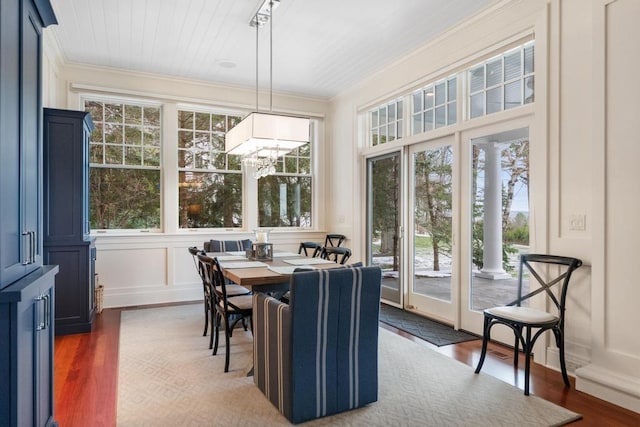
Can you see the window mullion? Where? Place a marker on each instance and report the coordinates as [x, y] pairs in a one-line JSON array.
[[169, 174]]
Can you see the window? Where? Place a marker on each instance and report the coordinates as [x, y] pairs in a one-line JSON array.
[[209, 181], [503, 82], [435, 106], [284, 198], [124, 165], [386, 123]]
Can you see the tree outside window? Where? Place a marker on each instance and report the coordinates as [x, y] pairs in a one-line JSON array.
[[124, 165], [210, 181]]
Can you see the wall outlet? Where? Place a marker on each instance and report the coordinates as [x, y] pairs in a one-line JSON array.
[[578, 222]]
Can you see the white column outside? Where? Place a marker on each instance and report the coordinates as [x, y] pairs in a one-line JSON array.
[[492, 252]]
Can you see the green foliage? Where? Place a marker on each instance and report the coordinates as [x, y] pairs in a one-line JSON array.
[[295, 209], [124, 198], [210, 200], [517, 230], [432, 210]]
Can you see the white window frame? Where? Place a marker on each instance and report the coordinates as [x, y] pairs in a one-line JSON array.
[[139, 103], [227, 113], [378, 129], [523, 78], [449, 83]]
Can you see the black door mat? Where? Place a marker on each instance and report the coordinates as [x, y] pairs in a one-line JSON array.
[[429, 330]]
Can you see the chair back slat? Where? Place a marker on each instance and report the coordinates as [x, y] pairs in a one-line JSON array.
[[334, 240]]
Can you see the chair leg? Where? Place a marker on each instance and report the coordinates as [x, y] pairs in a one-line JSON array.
[[563, 366], [485, 340], [516, 348], [217, 332], [527, 361], [212, 314], [227, 344], [206, 318]]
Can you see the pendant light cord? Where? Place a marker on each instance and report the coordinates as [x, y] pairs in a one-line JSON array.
[[271, 56], [257, 27]]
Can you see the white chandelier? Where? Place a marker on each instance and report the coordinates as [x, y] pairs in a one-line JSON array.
[[261, 138]]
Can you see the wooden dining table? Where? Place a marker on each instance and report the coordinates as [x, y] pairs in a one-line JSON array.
[[264, 278]]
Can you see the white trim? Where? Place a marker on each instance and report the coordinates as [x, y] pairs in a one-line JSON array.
[[119, 92]]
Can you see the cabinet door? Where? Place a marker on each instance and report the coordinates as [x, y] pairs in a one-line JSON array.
[[31, 135], [11, 241], [85, 178], [43, 405]]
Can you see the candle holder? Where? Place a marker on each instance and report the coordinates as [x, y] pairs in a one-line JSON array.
[[261, 252], [262, 235]]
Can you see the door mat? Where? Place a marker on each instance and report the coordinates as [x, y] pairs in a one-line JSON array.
[[429, 330]]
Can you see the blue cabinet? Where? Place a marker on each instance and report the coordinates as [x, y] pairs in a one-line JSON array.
[[21, 23], [26, 286], [26, 350], [66, 217]]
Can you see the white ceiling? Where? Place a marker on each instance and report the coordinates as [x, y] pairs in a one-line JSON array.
[[320, 47]]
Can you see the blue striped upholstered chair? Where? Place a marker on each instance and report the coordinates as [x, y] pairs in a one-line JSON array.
[[318, 355], [227, 245]]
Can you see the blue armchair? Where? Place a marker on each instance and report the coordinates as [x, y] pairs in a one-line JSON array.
[[318, 355], [227, 245]]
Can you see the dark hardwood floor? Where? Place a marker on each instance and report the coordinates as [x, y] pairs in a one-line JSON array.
[[86, 378]]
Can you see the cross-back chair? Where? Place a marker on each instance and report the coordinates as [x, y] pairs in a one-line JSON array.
[[315, 249], [334, 240], [525, 321], [309, 248], [207, 303], [231, 309], [337, 254]]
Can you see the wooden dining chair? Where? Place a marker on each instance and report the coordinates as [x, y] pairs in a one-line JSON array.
[[337, 254], [227, 308], [207, 303], [525, 321]]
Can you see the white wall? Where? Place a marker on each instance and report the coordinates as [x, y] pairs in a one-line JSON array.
[[602, 308], [614, 371]]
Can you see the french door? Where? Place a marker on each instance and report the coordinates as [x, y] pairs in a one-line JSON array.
[[495, 220], [384, 228], [448, 234], [432, 248]]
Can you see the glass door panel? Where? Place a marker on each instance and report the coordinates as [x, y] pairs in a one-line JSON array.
[[499, 218], [432, 238], [383, 221]]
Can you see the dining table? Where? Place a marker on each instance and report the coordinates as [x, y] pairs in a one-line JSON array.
[[266, 275]]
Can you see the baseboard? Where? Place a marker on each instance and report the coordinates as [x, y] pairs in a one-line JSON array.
[[75, 328], [142, 296], [573, 360], [607, 385]]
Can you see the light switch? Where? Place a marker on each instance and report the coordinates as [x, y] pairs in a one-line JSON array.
[[577, 222]]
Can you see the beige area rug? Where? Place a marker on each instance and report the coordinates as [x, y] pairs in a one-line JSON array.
[[167, 377]]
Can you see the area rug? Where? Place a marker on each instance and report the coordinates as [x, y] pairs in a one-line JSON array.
[[167, 376], [429, 330]]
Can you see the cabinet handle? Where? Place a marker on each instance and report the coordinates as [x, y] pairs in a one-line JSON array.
[[33, 247], [26, 252], [47, 310], [41, 325]]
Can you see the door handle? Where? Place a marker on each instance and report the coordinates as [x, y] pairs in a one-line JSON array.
[[33, 247], [26, 252], [40, 324], [47, 311]]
